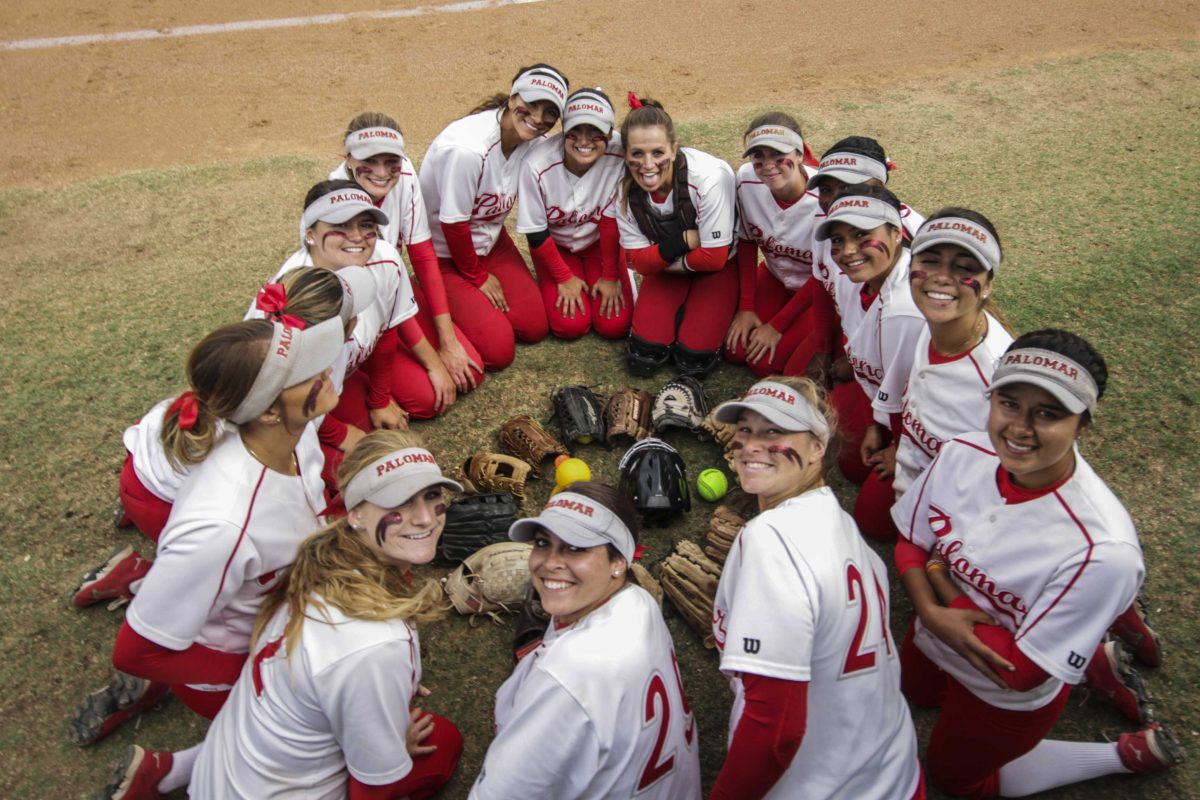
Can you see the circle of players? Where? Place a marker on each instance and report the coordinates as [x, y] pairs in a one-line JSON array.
[[289, 500]]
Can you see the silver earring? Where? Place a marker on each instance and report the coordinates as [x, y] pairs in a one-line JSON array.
[[617, 574]]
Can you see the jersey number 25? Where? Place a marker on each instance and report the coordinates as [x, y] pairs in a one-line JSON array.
[[658, 709]]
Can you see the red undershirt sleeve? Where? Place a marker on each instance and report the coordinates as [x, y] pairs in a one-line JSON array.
[[378, 367], [610, 248], [909, 556], [462, 252], [1028, 675], [747, 264], [410, 332], [895, 423], [137, 655], [824, 317], [429, 276], [706, 259], [332, 431], [646, 260], [766, 739], [547, 258]]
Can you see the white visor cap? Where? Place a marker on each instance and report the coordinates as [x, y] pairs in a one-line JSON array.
[[580, 522], [393, 480], [781, 405], [293, 356]]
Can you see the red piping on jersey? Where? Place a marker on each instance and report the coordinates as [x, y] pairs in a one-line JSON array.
[[547, 169], [241, 535], [975, 446], [1087, 560]]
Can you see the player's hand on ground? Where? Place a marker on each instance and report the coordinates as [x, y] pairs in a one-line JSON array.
[[354, 435], [444, 391], [494, 292], [956, 627], [458, 364], [420, 728], [390, 417], [570, 297], [612, 299], [692, 237], [744, 323], [762, 344]]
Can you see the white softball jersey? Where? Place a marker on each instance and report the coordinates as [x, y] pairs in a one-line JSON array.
[[466, 178], [944, 398], [587, 715], [394, 304], [233, 531], [1055, 570], [711, 186], [881, 339], [154, 470], [570, 206], [803, 598], [784, 235], [826, 269], [404, 205], [295, 726]]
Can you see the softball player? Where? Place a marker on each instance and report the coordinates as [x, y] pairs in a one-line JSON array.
[[235, 526], [1018, 558], [675, 214], [782, 322], [376, 161], [338, 229], [567, 182], [801, 621], [955, 256], [470, 177], [584, 715], [880, 323], [327, 706], [151, 478]]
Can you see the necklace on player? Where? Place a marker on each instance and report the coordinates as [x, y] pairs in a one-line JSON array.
[[293, 470], [973, 338]]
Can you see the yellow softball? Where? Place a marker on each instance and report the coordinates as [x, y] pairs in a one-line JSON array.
[[571, 470], [712, 485]]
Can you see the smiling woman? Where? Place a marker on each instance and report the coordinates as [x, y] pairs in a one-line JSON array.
[[470, 177]]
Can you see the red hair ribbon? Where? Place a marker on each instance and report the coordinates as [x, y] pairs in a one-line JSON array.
[[272, 300], [290, 321], [633, 100], [638, 552], [809, 159], [891, 165], [188, 408]]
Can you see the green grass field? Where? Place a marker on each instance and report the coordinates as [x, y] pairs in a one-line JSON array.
[[1088, 168]]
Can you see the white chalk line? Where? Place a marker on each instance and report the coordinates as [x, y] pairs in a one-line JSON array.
[[256, 25]]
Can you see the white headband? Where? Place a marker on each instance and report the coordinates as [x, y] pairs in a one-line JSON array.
[[580, 522], [782, 405], [864, 213], [338, 206], [372, 141], [294, 356], [588, 107], [849, 168], [395, 479], [971, 236], [1069, 382], [541, 83], [777, 137]]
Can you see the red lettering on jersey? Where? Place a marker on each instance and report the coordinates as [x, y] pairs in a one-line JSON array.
[[719, 631], [490, 205], [871, 374], [915, 430], [556, 216], [657, 705], [775, 247], [270, 649], [571, 505], [1003, 599], [939, 521]]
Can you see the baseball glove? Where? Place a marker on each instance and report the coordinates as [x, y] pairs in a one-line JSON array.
[[689, 579], [720, 432], [474, 521], [580, 415], [723, 528], [491, 580], [524, 437], [495, 472], [628, 414], [680, 404], [646, 581]]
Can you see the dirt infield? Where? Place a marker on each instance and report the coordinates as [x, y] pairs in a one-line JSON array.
[[103, 109]]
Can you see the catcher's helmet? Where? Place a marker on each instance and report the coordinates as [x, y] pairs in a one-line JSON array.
[[654, 478]]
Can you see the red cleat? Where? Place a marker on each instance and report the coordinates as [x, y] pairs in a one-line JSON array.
[[1150, 750], [1111, 674], [103, 711], [111, 580], [137, 776], [1134, 629]]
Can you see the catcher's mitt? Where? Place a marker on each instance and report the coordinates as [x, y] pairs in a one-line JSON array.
[[680, 403], [491, 580], [579, 415], [494, 472], [524, 437], [689, 579], [723, 528], [474, 521], [628, 414]]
